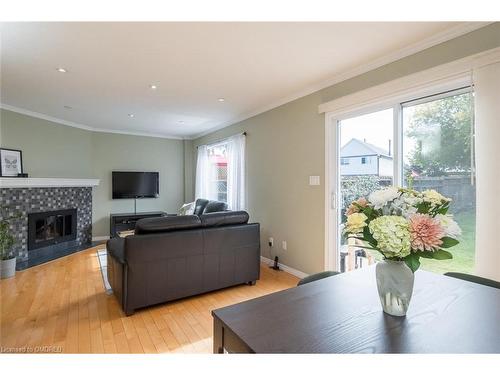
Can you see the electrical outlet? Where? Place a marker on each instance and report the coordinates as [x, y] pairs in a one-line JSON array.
[[283, 245], [271, 242]]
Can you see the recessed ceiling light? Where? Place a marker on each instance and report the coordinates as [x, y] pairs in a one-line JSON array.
[[153, 87], [131, 115], [62, 70], [68, 107], [221, 100]]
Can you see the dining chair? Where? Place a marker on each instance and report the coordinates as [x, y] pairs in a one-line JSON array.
[[317, 276], [474, 279]]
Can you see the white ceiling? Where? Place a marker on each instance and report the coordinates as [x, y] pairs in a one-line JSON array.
[[254, 66]]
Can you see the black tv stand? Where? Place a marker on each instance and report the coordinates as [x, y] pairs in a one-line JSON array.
[[122, 222]]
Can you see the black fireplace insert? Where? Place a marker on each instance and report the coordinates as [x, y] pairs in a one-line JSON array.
[[51, 227]]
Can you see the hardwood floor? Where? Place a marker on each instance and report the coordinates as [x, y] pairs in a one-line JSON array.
[[61, 306]]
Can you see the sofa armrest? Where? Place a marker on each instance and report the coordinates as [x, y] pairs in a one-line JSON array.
[[116, 248]]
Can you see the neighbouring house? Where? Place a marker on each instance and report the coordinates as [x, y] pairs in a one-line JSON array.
[[359, 158]]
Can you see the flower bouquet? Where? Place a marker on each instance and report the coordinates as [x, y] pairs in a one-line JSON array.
[[404, 225]]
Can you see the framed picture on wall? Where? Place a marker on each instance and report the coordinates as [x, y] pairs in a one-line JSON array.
[[11, 162]]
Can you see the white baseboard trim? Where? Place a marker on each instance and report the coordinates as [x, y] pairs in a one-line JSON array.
[[100, 238], [284, 267]]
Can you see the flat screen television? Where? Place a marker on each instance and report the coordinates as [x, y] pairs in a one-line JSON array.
[[127, 185]]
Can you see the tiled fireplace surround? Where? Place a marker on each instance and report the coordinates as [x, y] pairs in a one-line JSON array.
[[24, 201]]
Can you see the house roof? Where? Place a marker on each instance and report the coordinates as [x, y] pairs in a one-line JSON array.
[[356, 147]]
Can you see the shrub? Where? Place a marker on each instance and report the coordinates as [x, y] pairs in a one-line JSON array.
[[354, 187]]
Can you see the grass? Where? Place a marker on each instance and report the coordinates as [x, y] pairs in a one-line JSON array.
[[463, 253]]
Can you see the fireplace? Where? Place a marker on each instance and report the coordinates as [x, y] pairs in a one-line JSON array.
[[51, 227]]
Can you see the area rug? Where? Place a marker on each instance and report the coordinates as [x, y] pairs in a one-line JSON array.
[[103, 263]]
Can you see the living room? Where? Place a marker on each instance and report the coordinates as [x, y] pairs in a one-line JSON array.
[[249, 187]]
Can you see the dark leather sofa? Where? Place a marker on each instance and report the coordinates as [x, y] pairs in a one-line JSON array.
[[179, 256]]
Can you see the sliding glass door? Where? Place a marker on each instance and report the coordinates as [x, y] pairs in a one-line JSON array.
[[426, 144]]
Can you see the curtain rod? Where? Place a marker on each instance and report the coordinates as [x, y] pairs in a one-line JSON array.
[[222, 139]]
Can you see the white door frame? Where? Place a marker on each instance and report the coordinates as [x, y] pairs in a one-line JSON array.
[[331, 191]]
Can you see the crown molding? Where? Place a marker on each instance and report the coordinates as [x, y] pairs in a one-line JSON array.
[[462, 29], [72, 124], [43, 117]]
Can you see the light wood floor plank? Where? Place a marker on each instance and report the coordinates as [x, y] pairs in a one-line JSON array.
[[62, 305]]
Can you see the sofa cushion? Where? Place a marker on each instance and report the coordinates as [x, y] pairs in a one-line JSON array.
[[215, 206], [218, 219], [199, 206], [167, 224]]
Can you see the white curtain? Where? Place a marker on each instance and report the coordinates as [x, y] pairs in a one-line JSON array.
[[202, 187], [236, 192], [206, 172]]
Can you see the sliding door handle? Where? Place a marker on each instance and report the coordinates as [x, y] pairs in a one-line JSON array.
[[333, 203]]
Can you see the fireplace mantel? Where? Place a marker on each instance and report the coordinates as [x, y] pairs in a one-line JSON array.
[[20, 182]]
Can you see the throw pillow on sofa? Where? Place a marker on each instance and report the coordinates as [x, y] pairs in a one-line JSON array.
[[186, 209], [215, 206]]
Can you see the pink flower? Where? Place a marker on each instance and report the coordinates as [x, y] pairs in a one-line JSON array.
[[425, 232], [353, 207]]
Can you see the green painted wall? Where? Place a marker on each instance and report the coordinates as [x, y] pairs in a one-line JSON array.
[[54, 150], [286, 145], [188, 170], [124, 152], [49, 149]]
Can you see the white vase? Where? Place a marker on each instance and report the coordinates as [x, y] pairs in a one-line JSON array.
[[395, 286], [7, 268]]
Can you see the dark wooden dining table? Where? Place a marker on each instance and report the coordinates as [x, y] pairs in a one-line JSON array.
[[342, 314]]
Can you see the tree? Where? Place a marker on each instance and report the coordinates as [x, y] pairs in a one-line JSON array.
[[441, 130]]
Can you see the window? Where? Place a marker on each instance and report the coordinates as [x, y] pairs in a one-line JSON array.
[[344, 161], [217, 156], [363, 160], [220, 172]]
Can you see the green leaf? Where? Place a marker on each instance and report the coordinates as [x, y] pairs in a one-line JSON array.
[[413, 261], [423, 208], [369, 237], [448, 242], [442, 255], [444, 208], [426, 254]]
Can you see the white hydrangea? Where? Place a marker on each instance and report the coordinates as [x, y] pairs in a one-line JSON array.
[[405, 205], [392, 235], [381, 197], [450, 226]]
